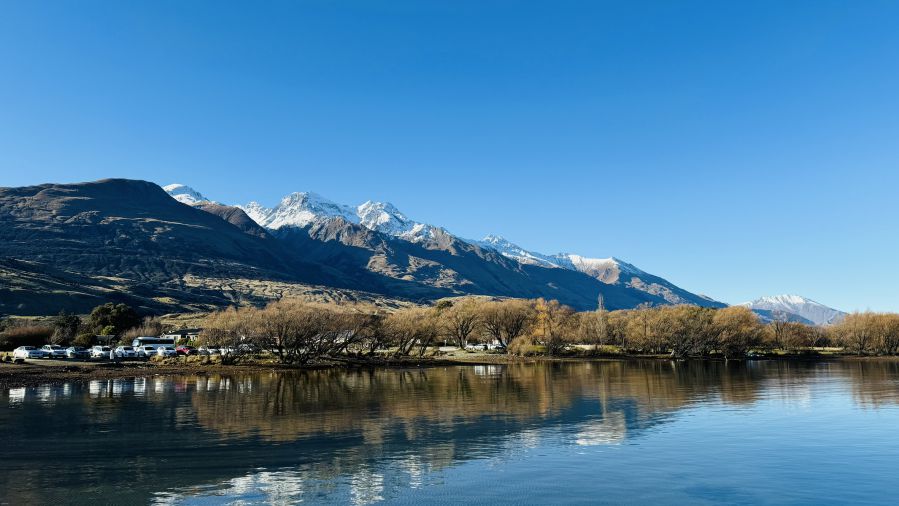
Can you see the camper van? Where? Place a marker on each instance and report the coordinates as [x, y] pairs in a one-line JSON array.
[[146, 346]]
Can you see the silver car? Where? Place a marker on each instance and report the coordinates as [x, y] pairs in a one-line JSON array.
[[53, 351], [146, 351], [125, 352]]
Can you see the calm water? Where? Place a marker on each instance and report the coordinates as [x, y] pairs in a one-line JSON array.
[[615, 432]]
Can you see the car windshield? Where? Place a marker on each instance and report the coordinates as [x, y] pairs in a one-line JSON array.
[[126, 348], [27, 347]]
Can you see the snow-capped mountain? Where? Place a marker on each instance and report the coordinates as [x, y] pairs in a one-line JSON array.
[[611, 271], [185, 194], [384, 217], [606, 270], [516, 252], [302, 216], [815, 312], [298, 210], [304, 208]]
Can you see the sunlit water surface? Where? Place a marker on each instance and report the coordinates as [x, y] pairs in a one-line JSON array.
[[600, 432]]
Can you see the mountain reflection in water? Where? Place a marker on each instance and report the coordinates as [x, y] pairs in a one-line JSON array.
[[545, 432]]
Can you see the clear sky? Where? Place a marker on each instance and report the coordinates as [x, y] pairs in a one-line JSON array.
[[738, 149]]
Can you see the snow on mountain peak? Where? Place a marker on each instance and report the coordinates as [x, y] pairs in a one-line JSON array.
[[515, 252], [298, 210], [184, 194], [256, 211], [304, 208], [381, 215], [808, 309], [386, 218], [786, 299], [608, 270]]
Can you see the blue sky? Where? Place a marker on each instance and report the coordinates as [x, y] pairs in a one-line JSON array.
[[738, 149]]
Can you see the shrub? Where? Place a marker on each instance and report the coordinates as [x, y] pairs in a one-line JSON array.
[[31, 335], [524, 347], [86, 340]]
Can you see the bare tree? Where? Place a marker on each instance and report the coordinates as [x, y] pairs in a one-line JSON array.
[[460, 321]]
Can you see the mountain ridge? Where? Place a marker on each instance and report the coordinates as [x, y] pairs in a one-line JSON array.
[[798, 306], [65, 246], [302, 209]]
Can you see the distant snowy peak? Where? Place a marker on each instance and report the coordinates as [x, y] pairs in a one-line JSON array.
[[607, 270], [185, 194], [305, 208], [815, 312], [515, 252], [256, 211], [298, 210], [386, 218], [611, 271]]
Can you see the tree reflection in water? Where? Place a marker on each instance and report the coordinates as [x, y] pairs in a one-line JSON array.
[[356, 436]]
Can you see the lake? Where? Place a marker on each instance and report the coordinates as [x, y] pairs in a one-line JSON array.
[[758, 432]]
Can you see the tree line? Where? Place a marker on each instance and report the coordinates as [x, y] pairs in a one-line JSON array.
[[300, 332]]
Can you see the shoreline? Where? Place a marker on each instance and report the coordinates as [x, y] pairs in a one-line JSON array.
[[49, 372]]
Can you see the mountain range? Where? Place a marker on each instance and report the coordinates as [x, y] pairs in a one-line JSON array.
[[312, 213], [71, 246]]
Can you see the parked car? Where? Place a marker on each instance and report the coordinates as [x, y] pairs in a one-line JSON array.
[[203, 350], [186, 350], [166, 351], [100, 351], [53, 351], [125, 352], [27, 352], [77, 352], [146, 351]]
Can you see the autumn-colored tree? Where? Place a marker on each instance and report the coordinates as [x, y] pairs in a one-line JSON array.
[[412, 329], [738, 330], [857, 332], [553, 323], [460, 321]]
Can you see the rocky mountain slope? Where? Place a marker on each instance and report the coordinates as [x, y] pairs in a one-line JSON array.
[[74, 245], [627, 285], [70, 245]]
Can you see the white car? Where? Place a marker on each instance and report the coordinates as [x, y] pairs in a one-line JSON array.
[[208, 351], [53, 351], [146, 351], [27, 352], [100, 352], [125, 352], [166, 351], [77, 352]]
